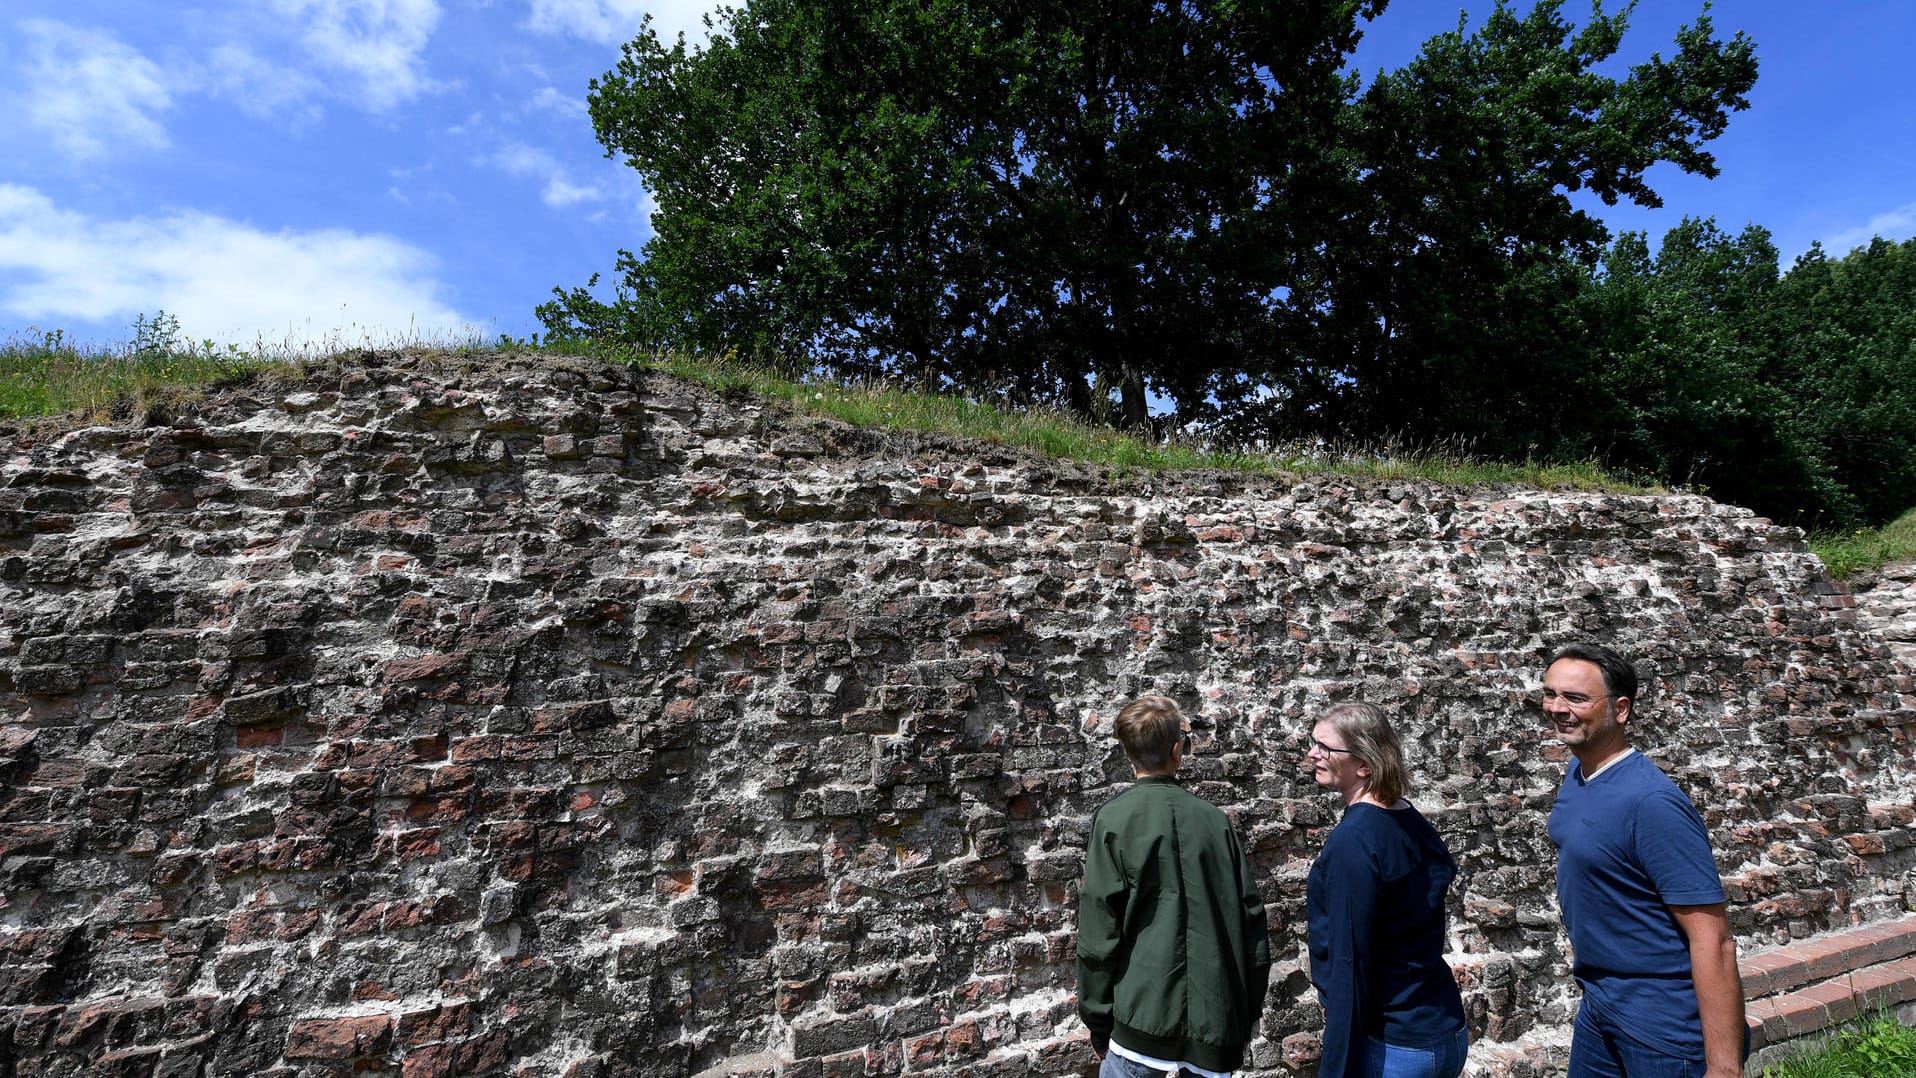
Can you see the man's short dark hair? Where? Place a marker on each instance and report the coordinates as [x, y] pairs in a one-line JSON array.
[[1148, 727], [1619, 677]]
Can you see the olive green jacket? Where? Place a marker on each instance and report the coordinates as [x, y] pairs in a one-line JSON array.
[[1174, 952]]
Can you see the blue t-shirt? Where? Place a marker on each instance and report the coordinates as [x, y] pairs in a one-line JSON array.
[[1630, 845], [1376, 902]]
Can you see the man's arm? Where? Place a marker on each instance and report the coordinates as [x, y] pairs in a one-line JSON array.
[[1719, 988]]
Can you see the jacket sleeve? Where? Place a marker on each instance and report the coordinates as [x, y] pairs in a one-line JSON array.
[[1101, 903], [1256, 936], [1351, 885]]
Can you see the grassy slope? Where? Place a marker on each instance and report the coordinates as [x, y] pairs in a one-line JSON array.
[[1847, 553], [1059, 435]]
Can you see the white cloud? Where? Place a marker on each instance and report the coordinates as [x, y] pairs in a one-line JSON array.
[[94, 94], [473, 124], [549, 99], [90, 92], [378, 42], [559, 190], [1899, 223], [261, 88], [222, 279], [613, 21]]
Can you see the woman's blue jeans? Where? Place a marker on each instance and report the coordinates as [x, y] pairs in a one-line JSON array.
[[1445, 1060]]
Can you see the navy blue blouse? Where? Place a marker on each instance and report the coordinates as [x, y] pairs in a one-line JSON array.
[[1376, 901]]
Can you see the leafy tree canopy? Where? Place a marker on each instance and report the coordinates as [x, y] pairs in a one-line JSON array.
[[1792, 393], [1084, 203], [1445, 290]]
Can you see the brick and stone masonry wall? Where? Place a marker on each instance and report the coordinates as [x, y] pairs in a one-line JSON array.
[[529, 717]]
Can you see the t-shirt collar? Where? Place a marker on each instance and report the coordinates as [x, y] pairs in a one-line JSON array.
[[1610, 763]]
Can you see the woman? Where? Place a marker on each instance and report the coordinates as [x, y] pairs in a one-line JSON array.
[[1376, 900]]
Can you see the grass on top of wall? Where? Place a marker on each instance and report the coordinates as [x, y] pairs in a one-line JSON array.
[[1848, 553], [1878, 1047], [44, 374], [1057, 434], [49, 375]]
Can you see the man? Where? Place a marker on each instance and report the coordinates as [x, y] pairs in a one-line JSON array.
[[1174, 953], [1639, 893]]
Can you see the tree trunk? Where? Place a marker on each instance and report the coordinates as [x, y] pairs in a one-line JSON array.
[[1134, 412]]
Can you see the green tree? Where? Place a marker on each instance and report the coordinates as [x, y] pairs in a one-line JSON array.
[[1045, 198], [1845, 354], [1686, 358], [1086, 203], [1452, 290], [1794, 395]]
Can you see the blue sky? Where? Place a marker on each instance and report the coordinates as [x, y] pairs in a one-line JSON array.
[[339, 172]]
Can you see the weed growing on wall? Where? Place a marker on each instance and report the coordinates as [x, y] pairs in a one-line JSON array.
[[47, 373], [1880, 1047]]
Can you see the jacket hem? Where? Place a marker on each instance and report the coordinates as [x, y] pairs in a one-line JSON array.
[[1212, 1057]]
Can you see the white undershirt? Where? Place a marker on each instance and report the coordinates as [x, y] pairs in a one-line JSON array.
[[1165, 1065], [1610, 763]]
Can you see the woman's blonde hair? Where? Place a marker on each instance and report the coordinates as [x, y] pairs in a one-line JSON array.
[[1368, 735]]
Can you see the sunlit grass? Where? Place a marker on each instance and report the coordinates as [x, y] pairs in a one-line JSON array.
[[47, 373], [1848, 553], [44, 374], [1879, 1047], [39, 381], [1059, 435]]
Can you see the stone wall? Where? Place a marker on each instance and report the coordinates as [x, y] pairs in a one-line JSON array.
[[1886, 602], [527, 717]]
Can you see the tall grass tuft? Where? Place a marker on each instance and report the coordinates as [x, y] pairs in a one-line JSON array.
[[47, 374]]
